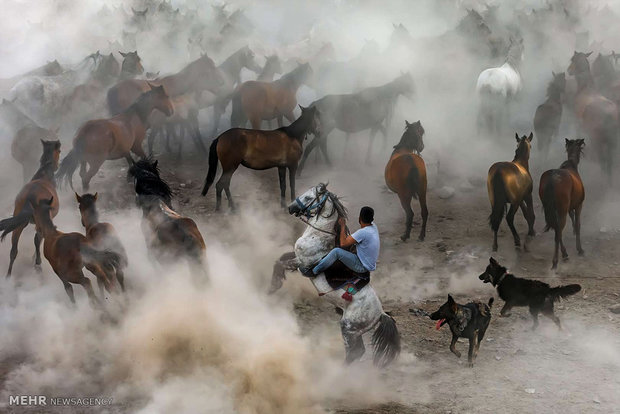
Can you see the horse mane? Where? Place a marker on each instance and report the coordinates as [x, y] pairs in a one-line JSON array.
[[46, 163], [520, 151], [299, 128], [404, 142], [340, 208], [148, 183]]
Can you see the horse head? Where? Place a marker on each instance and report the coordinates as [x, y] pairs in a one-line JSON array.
[[579, 64], [248, 60], [132, 63], [160, 99], [411, 139], [51, 153], [312, 115], [524, 146]]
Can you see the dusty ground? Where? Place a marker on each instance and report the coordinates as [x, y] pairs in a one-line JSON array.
[[570, 371]]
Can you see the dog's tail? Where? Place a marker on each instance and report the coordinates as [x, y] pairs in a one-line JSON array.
[[385, 341], [500, 199], [213, 159], [490, 304], [549, 205], [560, 292]]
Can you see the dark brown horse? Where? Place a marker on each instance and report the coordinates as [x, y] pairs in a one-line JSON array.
[[258, 101], [169, 236], [549, 113], [25, 147], [371, 108], [132, 65], [110, 139], [405, 174], [597, 115], [511, 183], [260, 150], [102, 236], [41, 187], [69, 253], [562, 193], [198, 76]]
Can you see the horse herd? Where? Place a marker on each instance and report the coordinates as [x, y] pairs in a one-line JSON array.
[[169, 106]]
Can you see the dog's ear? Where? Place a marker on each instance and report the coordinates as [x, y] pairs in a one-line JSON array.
[[493, 262], [452, 304]]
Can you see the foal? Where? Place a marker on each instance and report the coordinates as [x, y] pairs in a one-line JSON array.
[[68, 253], [511, 183], [102, 236], [562, 192]]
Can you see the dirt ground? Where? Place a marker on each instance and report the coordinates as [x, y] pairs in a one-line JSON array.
[[575, 370]]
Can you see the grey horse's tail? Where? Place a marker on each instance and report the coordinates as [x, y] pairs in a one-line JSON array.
[[385, 341]]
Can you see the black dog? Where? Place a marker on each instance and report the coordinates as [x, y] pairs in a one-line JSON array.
[[466, 321], [515, 291]]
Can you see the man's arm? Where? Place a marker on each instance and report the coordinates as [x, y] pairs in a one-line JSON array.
[[345, 241]]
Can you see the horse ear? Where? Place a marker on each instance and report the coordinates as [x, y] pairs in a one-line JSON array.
[[42, 141], [78, 198], [151, 86], [95, 196], [302, 108], [51, 200], [531, 137], [57, 145], [122, 54], [155, 163], [588, 54], [517, 137], [553, 73], [566, 141], [407, 123]]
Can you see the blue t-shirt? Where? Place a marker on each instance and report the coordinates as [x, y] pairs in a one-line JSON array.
[[367, 239]]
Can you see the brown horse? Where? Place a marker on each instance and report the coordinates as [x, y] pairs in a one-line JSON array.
[[110, 139], [69, 253], [196, 77], [25, 144], [258, 101], [549, 113], [168, 234], [405, 174], [597, 115], [261, 150], [562, 193], [511, 183], [41, 187], [102, 236]]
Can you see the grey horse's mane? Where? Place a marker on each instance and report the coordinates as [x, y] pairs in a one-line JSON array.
[[338, 206]]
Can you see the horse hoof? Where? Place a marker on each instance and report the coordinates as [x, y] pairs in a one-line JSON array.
[[554, 266], [404, 238], [37, 268], [532, 233], [421, 238], [565, 258]]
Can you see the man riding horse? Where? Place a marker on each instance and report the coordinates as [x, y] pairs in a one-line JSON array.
[[367, 243]]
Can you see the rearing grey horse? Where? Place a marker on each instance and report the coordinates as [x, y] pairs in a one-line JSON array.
[[364, 312]]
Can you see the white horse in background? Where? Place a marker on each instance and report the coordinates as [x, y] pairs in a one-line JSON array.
[[365, 312], [497, 87]]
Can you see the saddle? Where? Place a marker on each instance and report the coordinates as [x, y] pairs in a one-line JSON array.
[[338, 276]]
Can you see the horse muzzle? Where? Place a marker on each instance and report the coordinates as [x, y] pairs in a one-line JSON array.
[[293, 209]]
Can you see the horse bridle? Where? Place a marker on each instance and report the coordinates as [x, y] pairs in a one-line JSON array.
[[307, 209]]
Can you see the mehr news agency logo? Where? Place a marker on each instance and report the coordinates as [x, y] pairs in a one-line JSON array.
[[43, 400]]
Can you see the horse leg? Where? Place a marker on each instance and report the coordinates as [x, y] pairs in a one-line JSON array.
[[69, 290], [280, 121], [384, 132], [307, 151], [353, 342], [138, 150], [94, 166], [578, 230], [571, 214], [424, 213], [150, 140], [292, 170], [181, 138], [373, 133], [37, 250], [129, 159], [14, 242], [85, 282], [405, 202], [556, 248], [288, 261], [282, 177], [529, 215], [346, 143], [323, 147], [224, 184], [510, 220]]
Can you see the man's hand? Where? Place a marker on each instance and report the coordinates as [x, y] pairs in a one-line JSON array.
[[345, 241], [342, 222]]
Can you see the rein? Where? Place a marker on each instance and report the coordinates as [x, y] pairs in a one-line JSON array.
[[307, 210]]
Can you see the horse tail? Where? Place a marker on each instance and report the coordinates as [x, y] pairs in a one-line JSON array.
[[237, 116], [112, 99], [549, 205], [68, 166], [385, 341], [500, 199], [413, 179], [106, 258], [21, 219], [212, 166]]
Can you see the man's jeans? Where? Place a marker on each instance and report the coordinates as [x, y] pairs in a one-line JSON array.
[[349, 259]]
